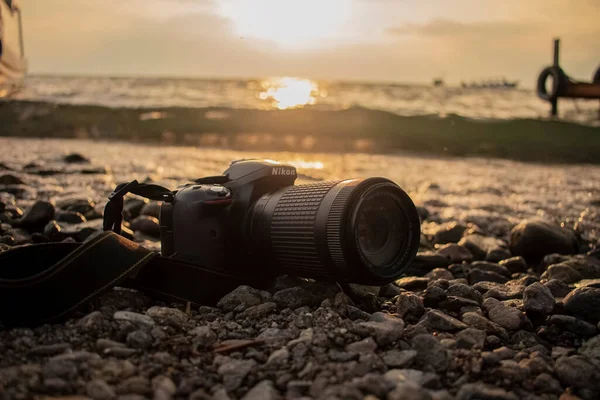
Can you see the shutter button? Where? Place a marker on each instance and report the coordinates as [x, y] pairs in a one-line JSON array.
[[219, 190]]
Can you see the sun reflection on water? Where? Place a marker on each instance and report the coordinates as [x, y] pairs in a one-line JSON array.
[[288, 92]]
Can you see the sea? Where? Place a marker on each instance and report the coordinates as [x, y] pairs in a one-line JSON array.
[[295, 92]]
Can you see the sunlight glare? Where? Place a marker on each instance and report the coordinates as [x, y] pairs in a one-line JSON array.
[[289, 23], [289, 92]]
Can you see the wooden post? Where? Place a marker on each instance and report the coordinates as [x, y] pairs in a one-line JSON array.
[[554, 102]]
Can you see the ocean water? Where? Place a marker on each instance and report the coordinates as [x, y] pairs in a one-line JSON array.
[[291, 92]]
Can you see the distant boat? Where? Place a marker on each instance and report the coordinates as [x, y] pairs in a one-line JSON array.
[[491, 84], [13, 65], [438, 82]]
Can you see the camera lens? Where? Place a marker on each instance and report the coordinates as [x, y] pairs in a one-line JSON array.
[[360, 230]]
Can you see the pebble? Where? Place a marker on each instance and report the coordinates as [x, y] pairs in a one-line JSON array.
[[399, 358], [533, 239], [40, 213], [235, 371], [455, 253], [278, 357], [366, 345], [412, 283], [71, 217], [430, 352], [168, 316], [538, 301], [573, 324], [384, 328], [409, 304], [477, 275], [245, 296], [558, 288], [436, 320], [147, 225], [509, 318], [584, 303], [75, 158], [98, 389], [562, 272], [480, 245], [204, 337], [450, 233], [139, 339], [50, 349], [471, 338], [133, 317], [263, 390], [466, 291], [479, 390], [514, 265], [579, 372], [591, 348], [478, 321]]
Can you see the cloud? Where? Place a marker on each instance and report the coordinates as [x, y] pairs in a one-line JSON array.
[[462, 30]]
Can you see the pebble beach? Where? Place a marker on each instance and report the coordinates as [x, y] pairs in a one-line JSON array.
[[501, 303]]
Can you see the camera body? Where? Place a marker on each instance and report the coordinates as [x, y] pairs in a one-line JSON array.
[[207, 221], [253, 222]]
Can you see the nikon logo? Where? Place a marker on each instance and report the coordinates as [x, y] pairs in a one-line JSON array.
[[283, 171]]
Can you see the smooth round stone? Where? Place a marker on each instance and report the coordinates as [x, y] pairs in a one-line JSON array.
[[535, 238], [70, 217]]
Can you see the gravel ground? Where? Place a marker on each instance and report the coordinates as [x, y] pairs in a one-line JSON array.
[[503, 301]]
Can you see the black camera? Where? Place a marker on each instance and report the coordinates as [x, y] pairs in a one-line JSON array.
[[253, 220]]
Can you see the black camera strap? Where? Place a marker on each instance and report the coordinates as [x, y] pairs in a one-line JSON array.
[[44, 283]]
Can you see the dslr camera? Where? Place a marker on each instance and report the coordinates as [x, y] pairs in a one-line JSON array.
[[253, 221]]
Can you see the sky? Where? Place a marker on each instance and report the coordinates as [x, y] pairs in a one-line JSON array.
[[368, 40]]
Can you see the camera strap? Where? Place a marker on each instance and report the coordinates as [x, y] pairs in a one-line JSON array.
[[44, 283]]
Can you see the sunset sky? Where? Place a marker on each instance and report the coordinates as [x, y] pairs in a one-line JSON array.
[[373, 40]]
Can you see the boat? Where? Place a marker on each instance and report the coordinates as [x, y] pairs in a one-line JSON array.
[[491, 84], [13, 64]]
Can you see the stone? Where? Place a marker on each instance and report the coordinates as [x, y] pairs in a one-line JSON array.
[[204, 337], [455, 253], [147, 225], [53, 231], [471, 338], [75, 158], [478, 321], [439, 273], [479, 245], [133, 317], [164, 388], [134, 385], [591, 348], [366, 345], [151, 209], [295, 297], [562, 272], [488, 266], [466, 291], [9, 179], [572, 324], [235, 371], [584, 303], [480, 390], [168, 316], [538, 301], [578, 372], [545, 383], [70, 217], [98, 389], [477, 275], [433, 296], [409, 305], [279, 357], [497, 255], [436, 320], [383, 327], [40, 213], [245, 296], [412, 283], [514, 265], [558, 288], [50, 349], [139, 339], [408, 391], [103, 344], [533, 239], [426, 261], [451, 233], [263, 390], [399, 358], [430, 352], [509, 318], [82, 205]]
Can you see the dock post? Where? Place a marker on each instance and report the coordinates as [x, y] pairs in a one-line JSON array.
[[554, 102]]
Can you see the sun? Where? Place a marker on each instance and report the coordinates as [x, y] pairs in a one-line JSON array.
[[288, 23]]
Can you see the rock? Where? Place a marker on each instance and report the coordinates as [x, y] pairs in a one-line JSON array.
[[50, 350], [147, 225], [9, 179], [430, 352], [399, 358], [235, 371], [471, 338], [279, 357], [480, 390], [480, 245], [98, 389], [168, 316], [535, 238], [409, 305], [53, 231], [578, 372], [366, 345], [478, 321], [164, 388], [450, 233], [139, 340], [70, 217], [545, 383], [572, 324], [499, 291], [40, 213], [436, 320], [455, 253], [204, 337], [507, 317], [558, 288], [409, 391], [295, 297], [103, 344], [591, 348], [466, 291], [584, 303], [82, 205], [92, 321], [425, 262], [244, 296], [439, 273], [74, 158], [477, 275], [538, 301], [497, 255], [135, 318], [562, 272], [412, 283], [433, 296], [514, 264], [151, 209], [263, 390], [384, 328]]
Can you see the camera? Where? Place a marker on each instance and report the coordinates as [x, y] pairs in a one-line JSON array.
[[253, 221]]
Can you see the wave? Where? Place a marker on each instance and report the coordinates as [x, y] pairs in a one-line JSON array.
[[355, 129]]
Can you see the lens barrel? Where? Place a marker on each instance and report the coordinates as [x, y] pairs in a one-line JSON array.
[[359, 230]]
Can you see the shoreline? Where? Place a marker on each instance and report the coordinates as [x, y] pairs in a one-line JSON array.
[[353, 130]]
